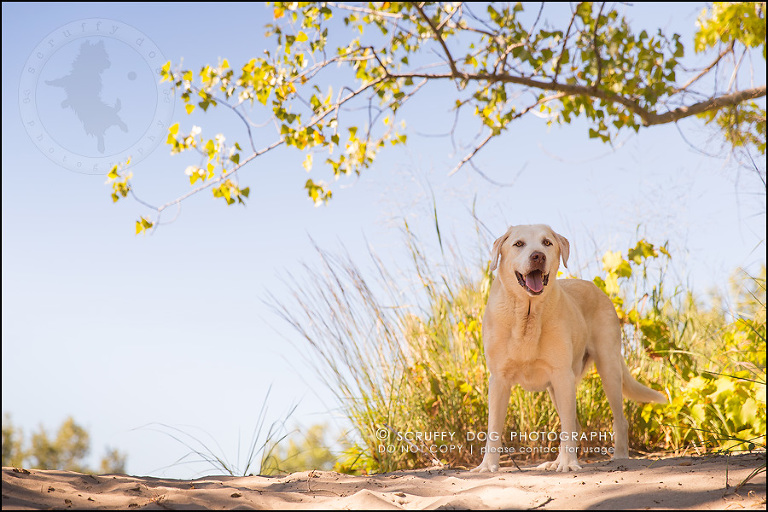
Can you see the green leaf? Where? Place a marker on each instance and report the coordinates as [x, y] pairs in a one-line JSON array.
[[142, 225], [642, 251], [614, 263]]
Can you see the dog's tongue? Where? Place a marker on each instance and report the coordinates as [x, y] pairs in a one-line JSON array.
[[534, 282]]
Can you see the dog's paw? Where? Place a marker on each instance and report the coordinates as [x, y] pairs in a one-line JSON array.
[[566, 467], [485, 467], [560, 466], [549, 466]]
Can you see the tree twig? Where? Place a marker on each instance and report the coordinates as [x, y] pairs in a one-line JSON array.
[[705, 70], [565, 43], [439, 37]]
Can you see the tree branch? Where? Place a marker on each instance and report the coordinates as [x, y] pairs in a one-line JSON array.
[[353, 8], [719, 102], [471, 155], [492, 135], [221, 177], [647, 117], [448, 18], [439, 37], [413, 23]]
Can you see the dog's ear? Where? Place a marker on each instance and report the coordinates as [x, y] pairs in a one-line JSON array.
[[496, 251], [565, 248]]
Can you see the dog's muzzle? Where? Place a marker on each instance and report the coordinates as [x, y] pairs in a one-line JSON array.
[[533, 282]]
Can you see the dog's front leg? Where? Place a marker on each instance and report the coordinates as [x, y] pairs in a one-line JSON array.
[[563, 393], [498, 399]]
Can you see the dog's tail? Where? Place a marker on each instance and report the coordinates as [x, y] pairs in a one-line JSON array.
[[636, 391]]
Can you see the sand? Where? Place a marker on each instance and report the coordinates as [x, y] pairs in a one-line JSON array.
[[679, 482]]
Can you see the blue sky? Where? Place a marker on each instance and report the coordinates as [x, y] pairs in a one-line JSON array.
[[121, 331]]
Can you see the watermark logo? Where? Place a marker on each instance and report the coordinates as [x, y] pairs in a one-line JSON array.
[[434, 443], [536, 443], [90, 95]]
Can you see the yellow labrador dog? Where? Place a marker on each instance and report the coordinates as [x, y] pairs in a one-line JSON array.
[[544, 333]]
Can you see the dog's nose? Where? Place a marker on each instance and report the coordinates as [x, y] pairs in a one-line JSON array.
[[538, 257]]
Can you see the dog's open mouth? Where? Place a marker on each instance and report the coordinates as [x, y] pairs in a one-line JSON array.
[[533, 282]]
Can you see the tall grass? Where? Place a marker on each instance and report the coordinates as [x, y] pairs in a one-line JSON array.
[[406, 355], [260, 449], [400, 357]]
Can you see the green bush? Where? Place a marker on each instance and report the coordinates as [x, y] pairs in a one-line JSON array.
[[720, 402]]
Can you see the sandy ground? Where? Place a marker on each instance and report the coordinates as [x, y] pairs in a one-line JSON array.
[[678, 483]]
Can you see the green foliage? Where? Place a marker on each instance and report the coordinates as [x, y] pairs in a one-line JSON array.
[[503, 62], [310, 452], [722, 403], [742, 125], [318, 192], [13, 454], [66, 451], [712, 367], [142, 225], [640, 304], [406, 359], [113, 462], [121, 187], [730, 22]]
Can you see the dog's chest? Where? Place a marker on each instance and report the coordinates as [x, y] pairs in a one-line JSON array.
[[522, 362], [526, 354]]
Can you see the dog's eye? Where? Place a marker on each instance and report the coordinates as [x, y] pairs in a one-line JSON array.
[[519, 243], [546, 242]]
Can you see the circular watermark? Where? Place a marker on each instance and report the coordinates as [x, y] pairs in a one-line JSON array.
[[90, 95]]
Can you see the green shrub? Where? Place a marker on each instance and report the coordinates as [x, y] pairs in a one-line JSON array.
[[720, 404]]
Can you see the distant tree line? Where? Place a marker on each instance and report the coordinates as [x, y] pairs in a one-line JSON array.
[[66, 450]]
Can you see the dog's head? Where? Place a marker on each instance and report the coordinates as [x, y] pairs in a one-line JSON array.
[[528, 257]]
